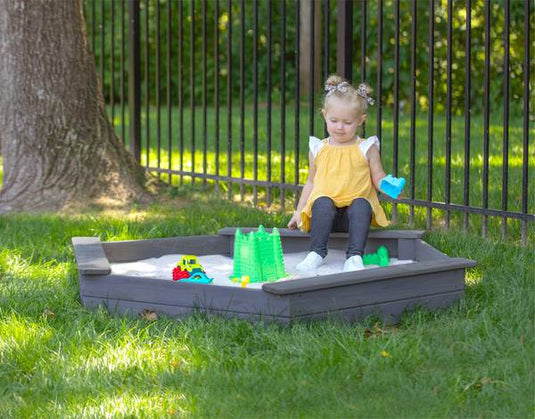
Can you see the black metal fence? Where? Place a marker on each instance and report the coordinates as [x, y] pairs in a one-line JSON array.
[[226, 92]]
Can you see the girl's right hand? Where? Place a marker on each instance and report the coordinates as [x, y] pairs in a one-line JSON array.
[[294, 222]]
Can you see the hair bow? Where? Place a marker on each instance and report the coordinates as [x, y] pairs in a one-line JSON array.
[[331, 88], [361, 91]]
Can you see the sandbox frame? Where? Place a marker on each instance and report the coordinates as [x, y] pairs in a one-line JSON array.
[[434, 280]]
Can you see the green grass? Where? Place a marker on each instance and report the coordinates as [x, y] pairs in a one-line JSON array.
[[59, 360]]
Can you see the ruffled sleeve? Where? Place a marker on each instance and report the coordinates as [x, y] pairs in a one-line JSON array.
[[315, 145], [367, 143]]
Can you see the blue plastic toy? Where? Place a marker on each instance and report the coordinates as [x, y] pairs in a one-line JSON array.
[[198, 278], [392, 186]]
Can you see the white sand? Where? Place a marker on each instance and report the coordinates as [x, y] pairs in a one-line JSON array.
[[220, 267]]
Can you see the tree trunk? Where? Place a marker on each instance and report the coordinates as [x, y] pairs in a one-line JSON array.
[[58, 145], [305, 47]]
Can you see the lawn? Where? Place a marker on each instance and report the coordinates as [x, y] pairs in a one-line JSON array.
[[58, 359]]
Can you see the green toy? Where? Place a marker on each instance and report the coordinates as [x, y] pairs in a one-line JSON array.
[[380, 258], [258, 255]]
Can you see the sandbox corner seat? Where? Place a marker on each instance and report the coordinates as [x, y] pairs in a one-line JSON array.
[[430, 267], [90, 256]]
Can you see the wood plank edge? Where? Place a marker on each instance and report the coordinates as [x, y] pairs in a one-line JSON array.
[[373, 234], [378, 274], [456, 293], [192, 307], [90, 256]]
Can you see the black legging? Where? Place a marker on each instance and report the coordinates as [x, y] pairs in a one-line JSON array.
[[326, 218]]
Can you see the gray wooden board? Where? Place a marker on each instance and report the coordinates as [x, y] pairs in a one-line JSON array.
[[302, 244], [389, 312], [291, 244], [135, 308], [425, 251], [127, 251], [405, 249], [368, 275], [90, 257], [162, 291], [376, 292], [297, 241], [373, 234]]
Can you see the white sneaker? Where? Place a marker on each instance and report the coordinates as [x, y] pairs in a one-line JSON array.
[[310, 263], [354, 263]]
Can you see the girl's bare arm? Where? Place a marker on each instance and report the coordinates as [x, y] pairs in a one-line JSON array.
[[376, 167]]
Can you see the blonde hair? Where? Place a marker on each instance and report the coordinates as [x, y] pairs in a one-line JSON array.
[[338, 88]]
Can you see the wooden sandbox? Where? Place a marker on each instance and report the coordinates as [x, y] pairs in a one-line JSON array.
[[434, 280]]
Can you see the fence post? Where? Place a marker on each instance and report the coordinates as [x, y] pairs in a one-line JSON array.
[[134, 80], [344, 37]]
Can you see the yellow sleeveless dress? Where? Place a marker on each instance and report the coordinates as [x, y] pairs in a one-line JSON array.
[[343, 174]]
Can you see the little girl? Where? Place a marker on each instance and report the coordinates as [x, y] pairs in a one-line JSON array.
[[344, 173]]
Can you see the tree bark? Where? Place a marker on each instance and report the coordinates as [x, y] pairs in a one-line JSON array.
[[305, 47], [58, 145]]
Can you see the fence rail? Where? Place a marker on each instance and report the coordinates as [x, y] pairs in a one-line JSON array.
[[226, 92]]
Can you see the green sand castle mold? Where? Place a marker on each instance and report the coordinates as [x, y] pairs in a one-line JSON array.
[[258, 255], [380, 258]]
